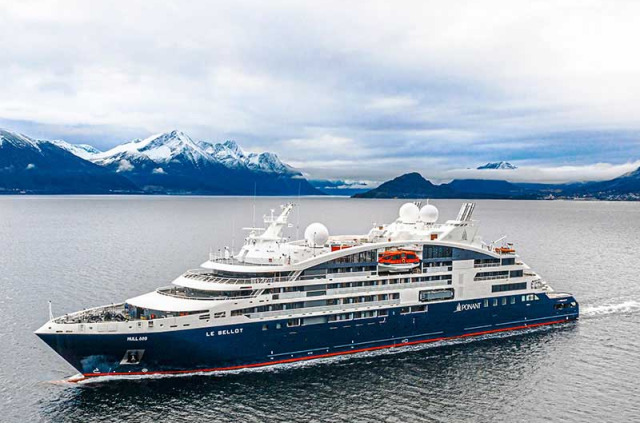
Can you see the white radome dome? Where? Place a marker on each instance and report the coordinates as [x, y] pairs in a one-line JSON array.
[[316, 234], [429, 214], [409, 213]]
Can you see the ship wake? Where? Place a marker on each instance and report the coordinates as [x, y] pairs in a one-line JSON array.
[[625, 307]]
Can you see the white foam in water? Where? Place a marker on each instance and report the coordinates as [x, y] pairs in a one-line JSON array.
[[630, 306]]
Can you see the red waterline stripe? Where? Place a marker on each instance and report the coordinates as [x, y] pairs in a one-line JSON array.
[[311, 357]]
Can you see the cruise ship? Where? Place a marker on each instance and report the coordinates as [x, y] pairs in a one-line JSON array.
[[408, 282]]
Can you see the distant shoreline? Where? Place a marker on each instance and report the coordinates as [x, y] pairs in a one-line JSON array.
[[327, 196]]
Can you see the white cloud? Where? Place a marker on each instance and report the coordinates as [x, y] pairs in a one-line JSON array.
[[159, 170], [125, 166], [547, 174], [415, 82], [30, 166]]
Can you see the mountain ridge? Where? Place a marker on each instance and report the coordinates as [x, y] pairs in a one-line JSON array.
[[169, 163], [412, 185]]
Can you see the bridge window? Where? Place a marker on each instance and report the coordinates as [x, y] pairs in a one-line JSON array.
[[435, 252], [509, 287]]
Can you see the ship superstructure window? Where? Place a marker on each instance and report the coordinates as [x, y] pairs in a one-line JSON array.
[[485, 276], [437, 252], [486, 262], [363, 257], [508, 261], [293, 322], [317, 303], [561, 306], [436, 295], [190, 293], [516, 274], [509, 287], [530, 297]]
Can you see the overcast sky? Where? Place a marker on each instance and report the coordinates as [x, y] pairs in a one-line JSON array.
[[351, 90]]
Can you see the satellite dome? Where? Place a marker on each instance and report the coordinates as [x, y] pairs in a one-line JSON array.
[[409, 213], [429, 214], [316, 234]]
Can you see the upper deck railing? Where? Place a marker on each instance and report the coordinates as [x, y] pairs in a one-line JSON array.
[[208, 276]]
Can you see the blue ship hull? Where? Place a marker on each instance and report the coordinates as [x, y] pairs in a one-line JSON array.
[[249, 345]]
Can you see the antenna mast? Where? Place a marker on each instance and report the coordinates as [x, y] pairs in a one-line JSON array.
[[255, 189], [298, 215]]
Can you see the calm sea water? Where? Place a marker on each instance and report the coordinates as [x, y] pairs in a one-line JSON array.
[[87, 251]]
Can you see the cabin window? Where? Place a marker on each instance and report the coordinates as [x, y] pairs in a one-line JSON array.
[[508, 261], [383, 313], [405, 310], [495, 302], [504, 301], [516, 274], [486, 303], [417, 309], [265, 327], [513, 300], [278, 325]]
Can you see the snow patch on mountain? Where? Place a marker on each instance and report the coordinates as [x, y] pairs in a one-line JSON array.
[[269, 162], [84, 151], [18, 140], [498, 165]]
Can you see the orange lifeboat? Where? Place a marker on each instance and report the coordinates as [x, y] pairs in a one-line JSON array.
[[398, 261], [506, 250]]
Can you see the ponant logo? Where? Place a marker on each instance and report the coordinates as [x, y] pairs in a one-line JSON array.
[[465, 307]]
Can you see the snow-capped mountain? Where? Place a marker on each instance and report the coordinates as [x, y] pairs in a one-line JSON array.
[[498, 165], [232, 156], [84, 151], [160, 149], [39, 166], [173, 162]]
